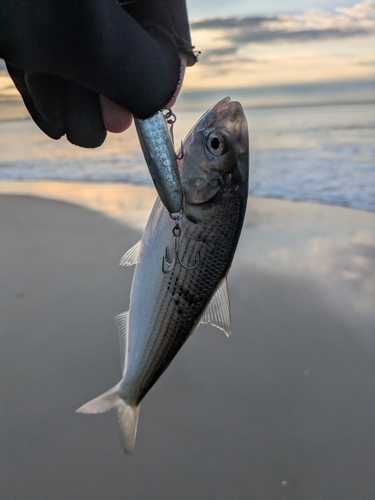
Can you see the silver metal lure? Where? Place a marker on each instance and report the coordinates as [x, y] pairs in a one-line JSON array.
[[157, 146]]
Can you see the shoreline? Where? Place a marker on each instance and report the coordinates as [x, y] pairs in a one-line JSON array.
[[331, 245], [104, 196]]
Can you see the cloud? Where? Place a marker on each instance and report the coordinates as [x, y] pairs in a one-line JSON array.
[[224, 51], [310, 26], [230, 22], [221, 55], [283, 49], [300, 35], [366, 63]]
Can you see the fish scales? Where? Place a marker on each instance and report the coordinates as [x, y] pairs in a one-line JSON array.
[[191, 290], [165, 308]]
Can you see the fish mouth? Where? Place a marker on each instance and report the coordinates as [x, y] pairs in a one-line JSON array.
[[222, 104], [227, 112], [216, 108]]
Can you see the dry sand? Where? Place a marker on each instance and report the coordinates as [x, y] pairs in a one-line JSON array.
[[284, 409]]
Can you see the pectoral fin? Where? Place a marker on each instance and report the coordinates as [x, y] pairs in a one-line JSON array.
[[217, 312], [132, 256]]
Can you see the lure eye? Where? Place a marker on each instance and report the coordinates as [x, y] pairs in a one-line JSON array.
[[216, 144]]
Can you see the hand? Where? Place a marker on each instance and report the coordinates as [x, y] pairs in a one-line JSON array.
[[117, 119], [66, 57]]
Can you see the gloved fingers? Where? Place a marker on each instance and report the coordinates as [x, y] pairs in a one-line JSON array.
[[61, 107], [48, 95], [53, 128], [68, 107], [117, 119], [83, 120]]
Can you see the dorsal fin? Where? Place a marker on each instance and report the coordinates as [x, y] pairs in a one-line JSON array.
[[217, 312], [122, 322], [131, 257]]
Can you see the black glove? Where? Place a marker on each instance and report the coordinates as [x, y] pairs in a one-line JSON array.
[[61, 54]]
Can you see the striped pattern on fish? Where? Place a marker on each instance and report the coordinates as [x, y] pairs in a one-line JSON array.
[[178, 299]]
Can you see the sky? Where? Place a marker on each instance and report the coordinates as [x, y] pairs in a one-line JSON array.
[[314, 49], [277, 52], [203, 8]]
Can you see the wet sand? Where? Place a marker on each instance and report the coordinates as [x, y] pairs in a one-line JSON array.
[[284, 409]]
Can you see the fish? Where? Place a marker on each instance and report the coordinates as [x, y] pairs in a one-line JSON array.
[[167, 303], [158, 150]]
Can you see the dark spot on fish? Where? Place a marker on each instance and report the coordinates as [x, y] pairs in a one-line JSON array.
[[188, 298], [169, 283], [177, 301], [175, 286], [192, 219]]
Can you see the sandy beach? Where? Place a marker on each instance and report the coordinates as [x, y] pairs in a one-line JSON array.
[[282, 410]]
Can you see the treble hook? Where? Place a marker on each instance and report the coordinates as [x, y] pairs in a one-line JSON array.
[[170, 118], [176, 258], [182, 152]]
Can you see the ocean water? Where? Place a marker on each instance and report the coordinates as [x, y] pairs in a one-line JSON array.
[[324, 154]]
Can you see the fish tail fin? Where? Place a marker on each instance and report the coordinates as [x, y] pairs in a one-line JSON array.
[[103, 403], [127, 415]]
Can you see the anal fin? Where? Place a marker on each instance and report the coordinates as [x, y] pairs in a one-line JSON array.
[[122, 322], [217, 312]]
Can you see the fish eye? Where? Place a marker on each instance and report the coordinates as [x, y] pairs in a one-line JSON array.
[[216, 144]]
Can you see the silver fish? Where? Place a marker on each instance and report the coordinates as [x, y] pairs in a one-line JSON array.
[[161, 159], [165, 309]]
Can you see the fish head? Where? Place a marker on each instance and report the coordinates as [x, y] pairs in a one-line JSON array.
[[216, 154]]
